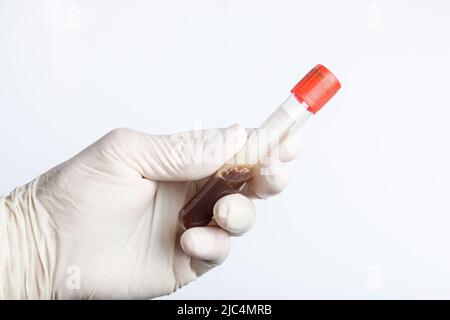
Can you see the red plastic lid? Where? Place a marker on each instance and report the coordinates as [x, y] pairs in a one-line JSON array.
[[316, 88]]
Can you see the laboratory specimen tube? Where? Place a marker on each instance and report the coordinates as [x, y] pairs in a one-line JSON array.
[[306, 98]]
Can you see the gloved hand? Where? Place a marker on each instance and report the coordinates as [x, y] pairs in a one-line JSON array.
[[105, 223]]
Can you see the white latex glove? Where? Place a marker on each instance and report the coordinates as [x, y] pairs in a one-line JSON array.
[[105, 224]]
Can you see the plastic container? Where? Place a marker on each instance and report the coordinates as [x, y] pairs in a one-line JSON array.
[[306, 98]]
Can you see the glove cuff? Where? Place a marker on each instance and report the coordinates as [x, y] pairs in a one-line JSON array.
[[26, 248]]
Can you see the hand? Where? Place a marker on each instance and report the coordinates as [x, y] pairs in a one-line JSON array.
[[105, 223]]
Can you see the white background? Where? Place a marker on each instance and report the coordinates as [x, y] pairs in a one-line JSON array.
[[368, 212]]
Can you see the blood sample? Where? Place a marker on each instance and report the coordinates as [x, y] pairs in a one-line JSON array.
[[306, 98]]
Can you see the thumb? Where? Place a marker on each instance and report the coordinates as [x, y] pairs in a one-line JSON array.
[[184, 156]]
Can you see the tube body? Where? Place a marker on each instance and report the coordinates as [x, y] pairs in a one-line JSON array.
[[262, 144]]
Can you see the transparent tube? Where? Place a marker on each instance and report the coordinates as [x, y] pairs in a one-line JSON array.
[[261, 144]]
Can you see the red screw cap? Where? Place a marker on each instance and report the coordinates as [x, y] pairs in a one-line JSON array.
[[316, 88]]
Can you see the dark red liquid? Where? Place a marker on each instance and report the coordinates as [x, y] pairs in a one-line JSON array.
[[198, 211]]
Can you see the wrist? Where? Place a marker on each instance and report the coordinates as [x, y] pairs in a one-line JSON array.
[[26, 246]]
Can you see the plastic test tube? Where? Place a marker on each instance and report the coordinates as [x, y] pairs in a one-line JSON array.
[[306, 98]]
